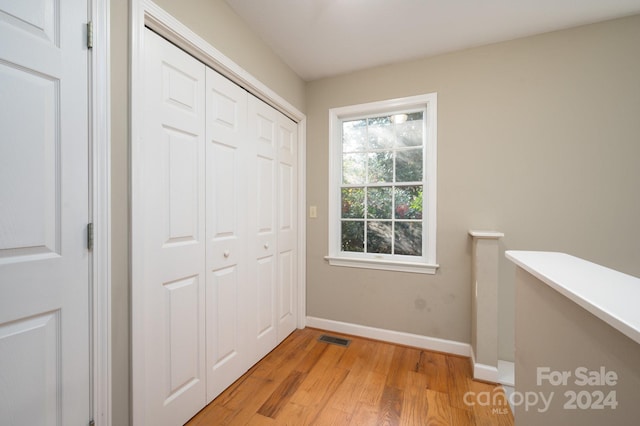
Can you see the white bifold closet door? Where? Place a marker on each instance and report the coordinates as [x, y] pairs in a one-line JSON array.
[[172, 241], [272, 227], [228, 287], [219, 239]]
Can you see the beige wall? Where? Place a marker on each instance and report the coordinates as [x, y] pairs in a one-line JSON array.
[[214, 21], [538, 138]]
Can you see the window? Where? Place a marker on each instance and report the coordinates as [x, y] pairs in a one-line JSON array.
[[383, 185]]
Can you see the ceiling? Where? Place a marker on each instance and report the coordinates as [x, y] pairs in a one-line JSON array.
[[322, 38]]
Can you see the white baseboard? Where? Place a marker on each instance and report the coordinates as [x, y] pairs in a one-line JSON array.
[[484, 372], [506, 373], [398, 337]]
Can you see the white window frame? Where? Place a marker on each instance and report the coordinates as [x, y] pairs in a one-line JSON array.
[[425, 264]]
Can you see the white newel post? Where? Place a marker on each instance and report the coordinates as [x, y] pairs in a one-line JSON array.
[[484, 304]]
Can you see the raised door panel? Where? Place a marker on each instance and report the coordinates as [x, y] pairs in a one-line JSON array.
[[287, 301], [35, 17], [180, 187], [44, 198], [264, 285], [182, 336], [29, 165], [171, 240], [30, 362], [224, 201], [222, 317], [227, 260], [265, 196]]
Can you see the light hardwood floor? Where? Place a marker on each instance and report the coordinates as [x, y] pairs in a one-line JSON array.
[[307, 382]]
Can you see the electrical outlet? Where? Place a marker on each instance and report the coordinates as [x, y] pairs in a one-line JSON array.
[[313, 212]]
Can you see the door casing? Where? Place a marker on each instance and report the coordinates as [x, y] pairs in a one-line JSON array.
[[100, 207]]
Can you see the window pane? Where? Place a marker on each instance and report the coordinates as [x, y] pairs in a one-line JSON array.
[[353, 168], [409, 165], [381, 167], [409, 133], [408, 202], [381, 134], [379, 203], [353, 203], [353, 236], [354, 135], [408, 238], [379, 237]]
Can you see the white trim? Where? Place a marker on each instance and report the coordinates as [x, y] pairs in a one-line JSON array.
[[581, 282], [146, 13], [384, 265], [487, 235], [383, 106], [427, 262], [136, 264], [302, 223], [391, 336], [179, 34], [486, 373], [101, 212], [506, 373]]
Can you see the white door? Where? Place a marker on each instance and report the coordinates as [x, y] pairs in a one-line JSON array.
[[287, 190], [261, 218], [227, 260], [170, 234], [272, 227], [44, 198]]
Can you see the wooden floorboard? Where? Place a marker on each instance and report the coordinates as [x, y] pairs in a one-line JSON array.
[[281, 396], [307, 382]]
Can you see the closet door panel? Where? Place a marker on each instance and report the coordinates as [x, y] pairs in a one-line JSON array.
[[264, 197], [265, 283], [227, 261], [286, 294], [262, 222], [173, 242], [180, 184], [224, 193], [287, 226]]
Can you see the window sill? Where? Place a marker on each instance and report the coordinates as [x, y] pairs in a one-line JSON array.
[[384, 265]]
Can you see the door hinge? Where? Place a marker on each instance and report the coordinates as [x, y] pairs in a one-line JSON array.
[[90, 236], [90, 35]]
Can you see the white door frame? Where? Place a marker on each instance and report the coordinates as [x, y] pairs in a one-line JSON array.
[[100, 210], [145, 13]]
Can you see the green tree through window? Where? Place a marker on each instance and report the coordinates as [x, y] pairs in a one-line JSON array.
[[382, 184]]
